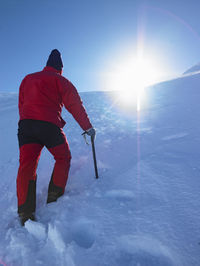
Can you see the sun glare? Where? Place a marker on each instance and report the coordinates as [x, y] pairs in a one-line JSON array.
[[130, 77]]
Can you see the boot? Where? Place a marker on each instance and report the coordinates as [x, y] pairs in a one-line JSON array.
[[54, 192], [53, 196], [23, 217]]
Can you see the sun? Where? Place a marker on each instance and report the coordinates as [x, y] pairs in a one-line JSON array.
[[130, 77]]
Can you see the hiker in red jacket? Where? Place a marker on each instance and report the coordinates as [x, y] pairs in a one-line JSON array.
[[41, 98]]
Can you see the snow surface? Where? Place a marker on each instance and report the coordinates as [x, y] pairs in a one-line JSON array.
[[194, 69], [143, 210]]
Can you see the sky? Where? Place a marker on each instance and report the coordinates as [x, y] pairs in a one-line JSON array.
[[97, 38]]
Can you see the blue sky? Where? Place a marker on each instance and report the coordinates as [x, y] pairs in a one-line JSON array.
[[93, 35]]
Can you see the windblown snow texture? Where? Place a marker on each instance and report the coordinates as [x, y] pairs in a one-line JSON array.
[[144, 208]]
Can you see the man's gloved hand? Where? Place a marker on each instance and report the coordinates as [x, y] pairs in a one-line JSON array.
[[91, 132]]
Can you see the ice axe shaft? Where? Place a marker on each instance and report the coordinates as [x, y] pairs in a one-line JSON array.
[[93, 152], [94, 157]]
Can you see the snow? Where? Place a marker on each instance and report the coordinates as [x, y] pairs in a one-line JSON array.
[[36, 229], [194, 69], [144, 208]]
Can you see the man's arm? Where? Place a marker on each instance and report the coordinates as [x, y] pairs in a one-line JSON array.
[[74, 105]]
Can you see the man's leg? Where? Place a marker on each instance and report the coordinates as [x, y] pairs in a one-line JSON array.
[[59, 176], [26, 178], [53, 137]]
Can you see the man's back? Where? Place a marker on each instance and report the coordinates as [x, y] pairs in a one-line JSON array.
[[40, 96], [42, 89]]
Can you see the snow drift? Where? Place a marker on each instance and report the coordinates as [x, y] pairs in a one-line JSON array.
[[143, 210]]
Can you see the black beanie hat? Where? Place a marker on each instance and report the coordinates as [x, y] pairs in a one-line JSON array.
[[55, 60]]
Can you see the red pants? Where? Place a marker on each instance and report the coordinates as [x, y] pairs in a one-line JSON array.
[[33, 136]]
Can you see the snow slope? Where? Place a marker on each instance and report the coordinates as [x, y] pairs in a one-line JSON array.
[[143, 210], [195, 68]]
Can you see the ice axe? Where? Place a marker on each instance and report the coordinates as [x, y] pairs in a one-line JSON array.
[[93, 152]]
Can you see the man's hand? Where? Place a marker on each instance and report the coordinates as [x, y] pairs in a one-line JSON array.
[[91, 132]]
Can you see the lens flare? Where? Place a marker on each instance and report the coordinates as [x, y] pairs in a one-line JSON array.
[[129, 79]]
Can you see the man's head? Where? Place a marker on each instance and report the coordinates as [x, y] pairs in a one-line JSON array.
[[55, 60]]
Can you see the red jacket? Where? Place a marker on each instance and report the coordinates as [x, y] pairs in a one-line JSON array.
[[43, 94]]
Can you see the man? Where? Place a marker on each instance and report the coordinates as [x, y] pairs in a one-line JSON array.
[[41, 98]]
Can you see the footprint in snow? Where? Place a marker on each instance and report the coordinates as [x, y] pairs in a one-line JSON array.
[[83, 233]]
